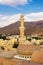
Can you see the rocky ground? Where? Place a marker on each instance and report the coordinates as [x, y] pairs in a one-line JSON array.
[[4, 61], [6, 58]]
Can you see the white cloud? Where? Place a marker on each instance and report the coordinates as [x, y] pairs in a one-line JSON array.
[[6, 20], [34, 16], [13, 2]]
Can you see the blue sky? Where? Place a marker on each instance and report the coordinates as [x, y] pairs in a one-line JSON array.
[[10, 10], [32, 6]]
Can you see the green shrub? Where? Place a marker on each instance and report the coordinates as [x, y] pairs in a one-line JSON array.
[[2, 37], [15, 45]]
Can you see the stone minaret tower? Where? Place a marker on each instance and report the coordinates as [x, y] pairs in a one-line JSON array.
[[25, 48], [22, 28]]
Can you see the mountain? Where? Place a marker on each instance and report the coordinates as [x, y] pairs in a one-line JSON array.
[[35, 27]]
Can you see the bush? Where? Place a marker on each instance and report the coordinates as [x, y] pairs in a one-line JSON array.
[[15, 45], [2, 37], [29, 39]]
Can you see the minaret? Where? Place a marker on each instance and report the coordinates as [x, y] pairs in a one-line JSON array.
[[22, 28], [24, 47]]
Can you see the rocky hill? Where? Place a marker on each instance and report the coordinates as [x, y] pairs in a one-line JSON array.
[[30, 28]]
